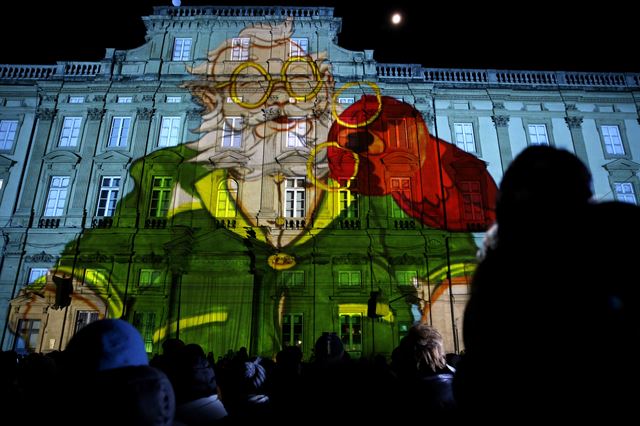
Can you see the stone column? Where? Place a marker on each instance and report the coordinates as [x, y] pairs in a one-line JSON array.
[[502, 129], [574, 123], [38, 149]]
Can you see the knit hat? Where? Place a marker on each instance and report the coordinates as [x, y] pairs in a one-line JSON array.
[[255, 373], [105, 345]]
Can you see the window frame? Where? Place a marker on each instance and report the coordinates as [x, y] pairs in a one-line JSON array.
[[121, 130], [298, 46], [289, 336], [232, 130], [459, 118], [170, 120], [296, 190], [110, 197], [633, 193], [622, 132], [535, 121], [71, 143], [297, 133], [350, 283], [16, 130], [240, 47], [164, 197], [48, 197], [182, 52], [226, 193]]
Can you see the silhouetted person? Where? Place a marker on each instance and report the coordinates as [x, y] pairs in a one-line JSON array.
[[538, 326]]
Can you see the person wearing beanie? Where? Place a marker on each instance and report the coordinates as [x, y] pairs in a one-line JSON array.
[[107, 371]]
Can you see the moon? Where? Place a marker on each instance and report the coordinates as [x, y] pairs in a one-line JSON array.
[[396, 18]]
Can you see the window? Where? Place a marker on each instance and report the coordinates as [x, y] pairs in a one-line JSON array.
[[538, 134], [84, 318], [160, 196], [471, 201], [76, 99], [231, 101], [27, 336], [169, 130], [297, 134], [227, 196], [145, 322], [57, 196], [181, 49], [70, 131], [612, 140], [299, 46], [407, 278], [119, 131], [351, 331], [294, 197], [125, 99], [346, 100], [349, 279], [293, 279], [292, 326], [397, 134], [240, 49], [7, 133], [150, 277], [464, 136], [625, 192], [37, 275], [348, 203], [174, 99], [232, 132], [108, 196], [401, 189]]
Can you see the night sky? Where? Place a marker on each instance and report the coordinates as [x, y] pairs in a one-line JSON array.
[[542, 35]]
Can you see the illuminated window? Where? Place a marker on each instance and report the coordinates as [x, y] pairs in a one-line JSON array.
[[397, 134], [119, 132], [150, 277], [181, 49], [347, 100], [70, 131], [227, 196], [538, 134], [294, 197], [57, 196], [169, 131], [145, 322], [27, 336], [612, 140], [160, 196], [292, 328], [348, 203], [174, 99], [297, 134], [37, 275], [240, 49], [232, 132], [84, 318], [108, 196], [464, 136], [472, 201], [293, 279], [125, 99], [299, 47], [96, 276], [349, 279], [76, 99], [625, 192], [406, 278], [351, 332], [400, 189]]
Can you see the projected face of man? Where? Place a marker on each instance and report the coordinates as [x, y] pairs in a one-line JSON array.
[[264, 98]]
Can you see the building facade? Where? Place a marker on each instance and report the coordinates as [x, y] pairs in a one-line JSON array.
[[242, 180]]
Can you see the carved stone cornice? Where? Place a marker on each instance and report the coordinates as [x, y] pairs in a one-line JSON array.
[[147, 98], [428, 116], [95, 113], [145, 113], [574, 122], [498, 105], [42, 257], [500, 120], [45, 114], [96, 257]]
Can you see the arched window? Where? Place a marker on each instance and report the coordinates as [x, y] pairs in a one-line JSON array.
[[227, 196]]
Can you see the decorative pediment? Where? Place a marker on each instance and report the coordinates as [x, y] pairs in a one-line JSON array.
[[293, 156], [42, 257], [229, 157], [5, 163], [622, 164], [400, 161], [112, 157], [60, 156], [165, 156]]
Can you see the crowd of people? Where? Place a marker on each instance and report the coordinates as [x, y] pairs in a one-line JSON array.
[[548, 331]]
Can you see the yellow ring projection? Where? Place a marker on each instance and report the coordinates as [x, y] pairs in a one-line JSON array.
[[287, 83], [312, 156], [376, 90], [234, 85]]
